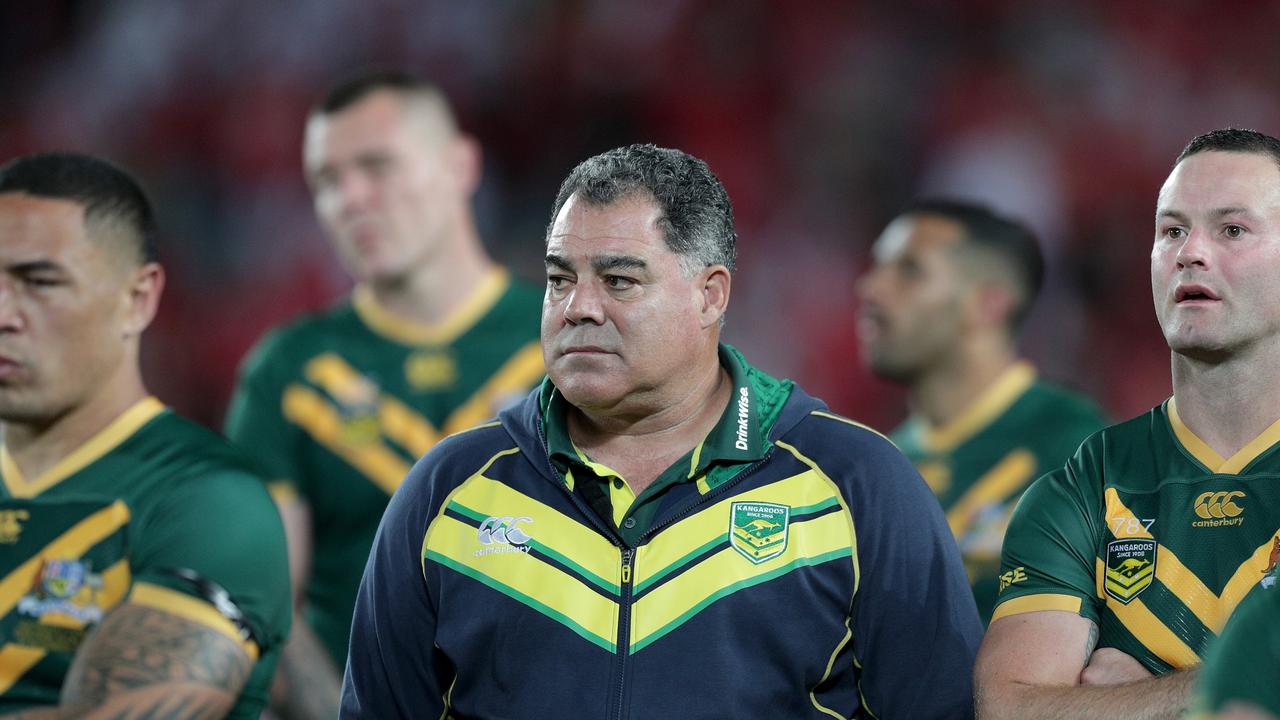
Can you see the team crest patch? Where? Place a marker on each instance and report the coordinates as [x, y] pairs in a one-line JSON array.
[[64, 587], [1130, 566], [758, 530]]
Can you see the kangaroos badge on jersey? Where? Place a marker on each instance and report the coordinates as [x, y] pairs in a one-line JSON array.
[[1130, 566], [758, 530]]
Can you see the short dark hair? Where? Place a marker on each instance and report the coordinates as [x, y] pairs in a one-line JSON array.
[[697, 216], [1004, 237], [107, 192], [355, 87], [1232, 140]]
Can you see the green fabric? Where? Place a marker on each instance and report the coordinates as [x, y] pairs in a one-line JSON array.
[[187, 500], [340, 412], [739, 438], [1244, 664], [1047, 423], [1065, 529]]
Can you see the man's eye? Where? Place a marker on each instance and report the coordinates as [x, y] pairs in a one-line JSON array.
[[1233, 231], [37, 281], [616, 282], [1174, 233], [557, 282]]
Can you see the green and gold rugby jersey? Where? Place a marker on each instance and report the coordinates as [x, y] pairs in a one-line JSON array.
[[979, 464], [1150, 534], [337, 407], [150, 494], [1243, 666]]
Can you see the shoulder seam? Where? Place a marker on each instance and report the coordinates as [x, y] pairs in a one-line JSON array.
[[847, 421]]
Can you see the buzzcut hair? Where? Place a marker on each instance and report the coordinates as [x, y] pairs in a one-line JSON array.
[[357, 86], [1237, 140], [107, 192], [1009, 240], [696, 214]]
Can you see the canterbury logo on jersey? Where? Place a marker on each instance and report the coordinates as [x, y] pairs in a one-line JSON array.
[[1218, 508], [503, 534]]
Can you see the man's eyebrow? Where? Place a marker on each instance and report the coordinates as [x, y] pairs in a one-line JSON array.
[[604, 263], [1173, 215], [559, 261], [34, 266], [1217, 213]]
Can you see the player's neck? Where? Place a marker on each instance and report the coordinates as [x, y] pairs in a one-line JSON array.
[[37, 446], [642, 444], [944, 392], [1227, 404], [432, 293]]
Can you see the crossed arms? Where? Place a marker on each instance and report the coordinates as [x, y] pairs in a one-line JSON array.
[[1047, 665]]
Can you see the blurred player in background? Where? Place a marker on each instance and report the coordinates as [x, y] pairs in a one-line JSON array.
[[1124, 566], [941, 307], [142, 564], [1241, 677], [435, 338]]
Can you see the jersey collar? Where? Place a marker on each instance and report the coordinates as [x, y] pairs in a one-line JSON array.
[[393, 327], [101, 443], [991, 404], [1207, 456]]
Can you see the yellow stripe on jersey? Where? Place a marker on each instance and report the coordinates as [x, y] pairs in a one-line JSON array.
[[1245, 578], [990, 405], [69, 545], [103, 442], [997, 485], [388, 324], [517, 375], [1037, 603], [404, 426], [282, 492], [15, 661], [1154, 634], [349, 386], [1170, 570], [320, 419], [185, 606]]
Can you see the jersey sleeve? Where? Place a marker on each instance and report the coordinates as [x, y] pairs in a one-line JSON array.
[[255, 419], [1048, 561], [914, 622], [214, 551], [394, 669]]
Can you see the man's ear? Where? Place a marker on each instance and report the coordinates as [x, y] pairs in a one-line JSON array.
[[144, 290], [465, 162], [714, 294], [993, 304]]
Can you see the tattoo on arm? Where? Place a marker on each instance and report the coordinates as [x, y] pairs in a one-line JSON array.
[[143, 662], [1092, 643]]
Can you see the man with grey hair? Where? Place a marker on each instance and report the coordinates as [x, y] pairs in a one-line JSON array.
[[660, 529]]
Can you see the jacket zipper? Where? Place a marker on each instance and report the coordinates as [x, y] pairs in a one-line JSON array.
[[705, 499], [624, 627]]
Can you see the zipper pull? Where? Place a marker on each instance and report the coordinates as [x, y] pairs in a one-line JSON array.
[[626, 565]]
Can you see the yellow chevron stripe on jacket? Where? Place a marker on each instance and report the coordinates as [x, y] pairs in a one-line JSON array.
[[679, 599], [510, 568]]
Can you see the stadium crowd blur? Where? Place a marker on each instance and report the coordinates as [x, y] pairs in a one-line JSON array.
[[823, 119]]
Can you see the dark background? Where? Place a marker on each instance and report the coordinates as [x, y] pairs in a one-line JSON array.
[[822, 118]]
